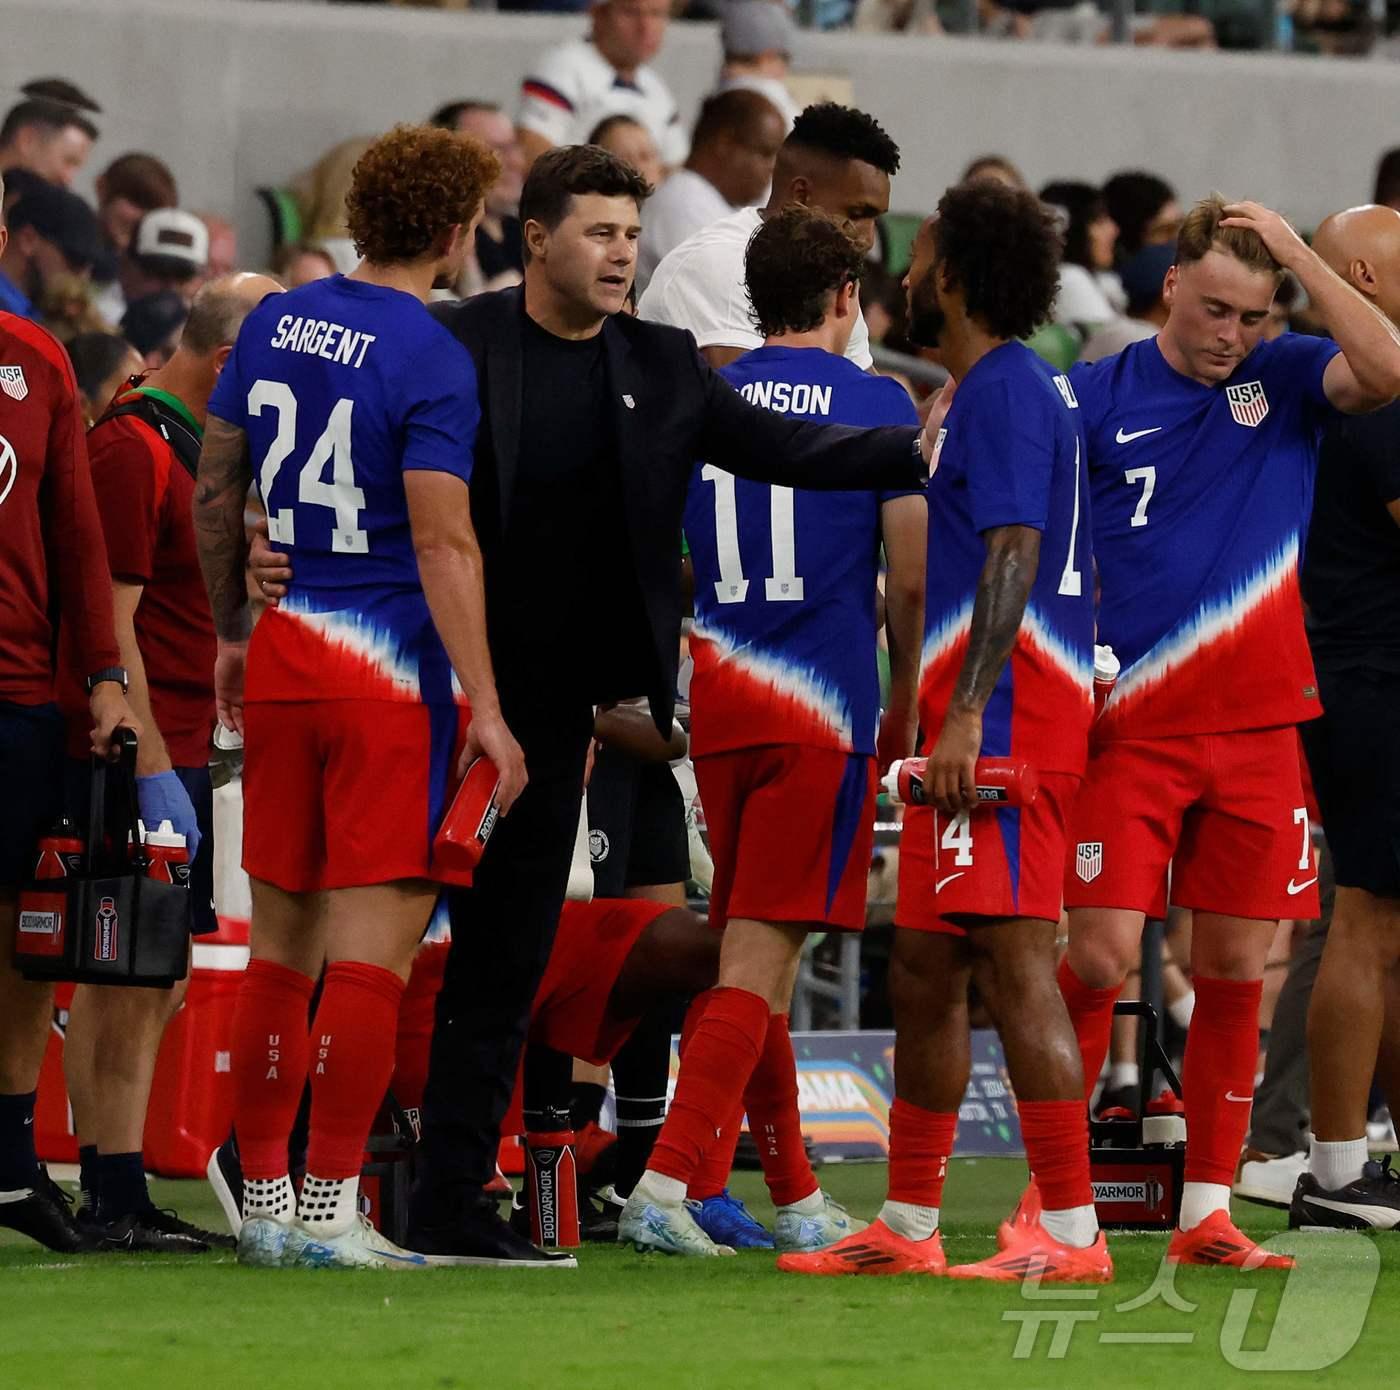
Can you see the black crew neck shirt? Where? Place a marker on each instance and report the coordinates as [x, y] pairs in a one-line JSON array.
[[1351, 565], [569, 607]]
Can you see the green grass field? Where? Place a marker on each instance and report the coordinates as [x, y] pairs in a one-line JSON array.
[[620, 1319]]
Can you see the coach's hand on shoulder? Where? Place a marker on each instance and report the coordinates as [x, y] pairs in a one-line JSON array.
[[488, 736], [271, 570], [951, 775], [1275, 231]]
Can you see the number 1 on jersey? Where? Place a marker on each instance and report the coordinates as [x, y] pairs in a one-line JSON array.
[[784, 585]]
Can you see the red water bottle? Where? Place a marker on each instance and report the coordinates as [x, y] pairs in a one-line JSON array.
[[999, 782], [1106, 670], [43, 904], [167, 855], [551, 1186], [461, 839]]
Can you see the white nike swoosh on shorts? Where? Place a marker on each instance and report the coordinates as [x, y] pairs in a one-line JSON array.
[[1125, 438], [1295, 888], [1243, 1100], [944, 882]]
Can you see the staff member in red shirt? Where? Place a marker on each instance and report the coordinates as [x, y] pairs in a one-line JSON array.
[[144, 452], [52, 561]]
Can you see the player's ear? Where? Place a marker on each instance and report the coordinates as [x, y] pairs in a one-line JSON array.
[[221, 355], [1362, 274], [1169, 286], [536, 237], [846, 298]]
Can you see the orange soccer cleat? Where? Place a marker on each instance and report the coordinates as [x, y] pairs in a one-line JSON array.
[[1033, 1253], [1027, 1214], [1218, 1241], [875, 1250]]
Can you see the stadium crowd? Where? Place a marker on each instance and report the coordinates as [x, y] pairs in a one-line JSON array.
[[153, 385]]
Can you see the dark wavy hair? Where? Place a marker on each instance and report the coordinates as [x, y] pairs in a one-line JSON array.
[[410, 186], [566, 170], [1083, 205], [845, 133], [1001, 246], [795, 262]]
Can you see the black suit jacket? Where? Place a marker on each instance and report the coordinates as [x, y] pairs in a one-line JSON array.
[[670, 409]]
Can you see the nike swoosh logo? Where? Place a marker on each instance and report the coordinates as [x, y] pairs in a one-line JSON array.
[[1295, 888], [1125, 438], [1382, 1217], [1243, 1100], [944, 882]]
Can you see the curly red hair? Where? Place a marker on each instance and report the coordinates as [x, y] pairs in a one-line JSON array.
[[410, 186]]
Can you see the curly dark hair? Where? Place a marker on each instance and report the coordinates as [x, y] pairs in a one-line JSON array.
[[796, 261], [1001, 246], [845, 133], [410, 186], [558, 174]]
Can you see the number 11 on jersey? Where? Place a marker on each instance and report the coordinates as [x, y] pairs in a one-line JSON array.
[[784, 585]]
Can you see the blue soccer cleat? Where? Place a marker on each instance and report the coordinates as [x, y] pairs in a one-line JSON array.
[[726, 1220]]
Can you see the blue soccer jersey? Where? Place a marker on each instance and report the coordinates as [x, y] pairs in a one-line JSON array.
[[342, 387], [1201, 499], [1012, 454], [784, 639]]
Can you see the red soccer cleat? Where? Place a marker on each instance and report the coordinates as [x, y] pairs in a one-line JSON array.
[[1218, 1241], [1033, 1253], [499, 1186], [875, 1250], [1027, 1214]]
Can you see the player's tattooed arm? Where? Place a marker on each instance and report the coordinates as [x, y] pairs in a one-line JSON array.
[[1003, 590], [220, 490]]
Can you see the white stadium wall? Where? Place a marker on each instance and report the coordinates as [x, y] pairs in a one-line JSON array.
[[238, 93]]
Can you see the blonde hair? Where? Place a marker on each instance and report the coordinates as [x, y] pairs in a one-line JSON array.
[[1201, 232]]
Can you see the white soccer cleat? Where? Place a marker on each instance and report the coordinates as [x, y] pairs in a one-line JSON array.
[[1267, 1180], [665, 1226], [361, 1247], [263, 1242], [794, 1230]]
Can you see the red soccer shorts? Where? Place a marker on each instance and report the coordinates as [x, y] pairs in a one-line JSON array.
[[346, 793], [791, 832], [570, 1012], [1002, 862], [1225, 811]]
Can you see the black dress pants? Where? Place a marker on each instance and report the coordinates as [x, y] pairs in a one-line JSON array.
[[502, 931]]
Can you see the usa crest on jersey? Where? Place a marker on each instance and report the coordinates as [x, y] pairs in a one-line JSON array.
[[13, 384], [1248, 403]]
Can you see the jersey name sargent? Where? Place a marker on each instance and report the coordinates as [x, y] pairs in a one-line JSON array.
[[333, 341], [788, 397]]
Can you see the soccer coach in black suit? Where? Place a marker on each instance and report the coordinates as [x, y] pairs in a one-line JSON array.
[[592, 422]]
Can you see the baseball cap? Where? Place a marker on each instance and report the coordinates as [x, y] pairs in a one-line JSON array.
[[150, 320], [1142, 276], [751, 27], [62, 218], [173, 235]]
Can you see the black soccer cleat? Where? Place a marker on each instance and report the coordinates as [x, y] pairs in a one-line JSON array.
[[225, 1173], [138, 1234], [169, 1223], [44, 1213], [1371, 1203]]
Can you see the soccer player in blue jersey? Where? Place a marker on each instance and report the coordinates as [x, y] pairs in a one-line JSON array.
[[1007, 673], [1202, 451], [784, 712], [355, 412]]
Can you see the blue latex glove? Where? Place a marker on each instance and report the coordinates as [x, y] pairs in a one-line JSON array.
[[162, 796]]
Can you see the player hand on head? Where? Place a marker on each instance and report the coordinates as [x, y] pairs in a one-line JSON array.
[[488, 736], [271, 570], [1275, 231], [951, 775]]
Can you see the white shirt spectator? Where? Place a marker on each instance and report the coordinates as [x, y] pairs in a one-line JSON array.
[[1081, 301], [700, 286], [573, 87], [685, 204]]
